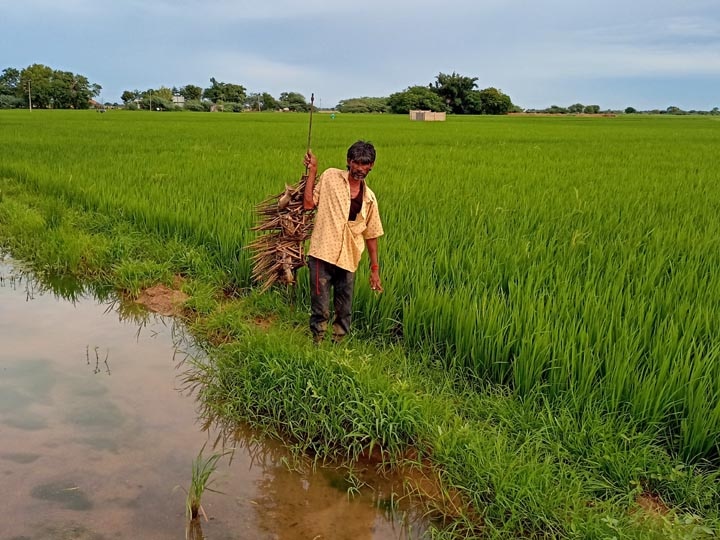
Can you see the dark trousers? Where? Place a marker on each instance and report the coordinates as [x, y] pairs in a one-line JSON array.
[[323, 276]]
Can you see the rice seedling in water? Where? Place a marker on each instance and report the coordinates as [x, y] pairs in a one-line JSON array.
[[202, 469]]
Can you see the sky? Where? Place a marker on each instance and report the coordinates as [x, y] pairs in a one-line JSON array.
[[648, 54]]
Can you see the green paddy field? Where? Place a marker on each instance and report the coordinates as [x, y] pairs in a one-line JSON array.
[[546, 347]]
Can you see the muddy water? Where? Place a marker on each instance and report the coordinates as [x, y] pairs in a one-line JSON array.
[[96, 439]]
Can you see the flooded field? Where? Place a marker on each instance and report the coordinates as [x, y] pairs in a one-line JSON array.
[[97, 442]]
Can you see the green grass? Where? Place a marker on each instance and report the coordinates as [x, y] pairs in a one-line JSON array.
[[547, 333], [508, 468], [571, 254], [203, 468]]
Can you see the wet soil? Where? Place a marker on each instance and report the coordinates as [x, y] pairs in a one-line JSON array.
[[163, 300]]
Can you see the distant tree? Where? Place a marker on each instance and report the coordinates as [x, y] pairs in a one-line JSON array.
[[155, 98], [232, 106], [630, 110], [63, 91], [196, 105], [220, 92], [416, 97], [592, 109], [454, 89], [58, 89], [674, 110], [152, 101], [576, 108], [38, 78], [216, 91], [8, 101], [715, 111], [363, 105], [130, 95], [163, 93], [555, 109], [253, 101], [269, 103], [235, 93], [488, 101], [10, 82], [69, 91], [294, 101], [81, 91], [261, 102], [191, 92]]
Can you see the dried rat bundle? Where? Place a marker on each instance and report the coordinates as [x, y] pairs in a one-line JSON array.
[[285, 225]]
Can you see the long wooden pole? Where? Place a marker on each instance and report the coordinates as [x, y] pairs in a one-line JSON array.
[[312, 101]]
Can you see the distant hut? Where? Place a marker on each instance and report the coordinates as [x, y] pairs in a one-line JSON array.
[[427, 116]]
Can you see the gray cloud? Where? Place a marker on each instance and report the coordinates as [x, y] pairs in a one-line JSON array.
[[341, 49]]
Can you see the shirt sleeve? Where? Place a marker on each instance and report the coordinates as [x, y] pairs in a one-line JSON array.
[[374, 225]]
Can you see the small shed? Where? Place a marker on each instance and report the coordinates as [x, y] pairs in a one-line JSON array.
[[427, 116]]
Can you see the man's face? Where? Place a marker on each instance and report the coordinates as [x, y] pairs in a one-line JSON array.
[[358, 171]]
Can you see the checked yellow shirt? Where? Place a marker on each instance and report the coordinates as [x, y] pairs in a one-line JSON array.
[[335, 239]]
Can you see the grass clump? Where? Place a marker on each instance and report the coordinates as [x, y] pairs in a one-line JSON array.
[[203, 468], [134, 276], [326, 403], [487, 463]]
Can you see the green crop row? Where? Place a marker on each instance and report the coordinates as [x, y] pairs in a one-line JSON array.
[[572, 255]]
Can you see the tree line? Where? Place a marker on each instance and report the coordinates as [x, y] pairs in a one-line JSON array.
[[218, 96], [579, 108], [42, 87], [451, 93]]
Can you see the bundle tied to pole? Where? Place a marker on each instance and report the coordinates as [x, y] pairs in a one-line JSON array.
[[279, 252], [285, 225]]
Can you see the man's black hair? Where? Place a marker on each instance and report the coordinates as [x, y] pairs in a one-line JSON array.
[[362, 152]]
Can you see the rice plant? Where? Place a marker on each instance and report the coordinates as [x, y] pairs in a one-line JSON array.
[[203, 468], [572, 255]]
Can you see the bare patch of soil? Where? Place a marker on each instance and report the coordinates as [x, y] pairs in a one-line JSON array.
[[652, 505], [163, 300], [263, 322]]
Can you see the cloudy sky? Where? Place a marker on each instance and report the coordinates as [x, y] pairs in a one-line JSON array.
[[614, 53]]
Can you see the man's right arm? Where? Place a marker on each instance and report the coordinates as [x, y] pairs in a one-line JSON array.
[[311, 164]]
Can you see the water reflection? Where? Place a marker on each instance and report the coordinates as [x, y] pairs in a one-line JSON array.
[[97, 368], [19, 277], [96, 436], [294, 498]]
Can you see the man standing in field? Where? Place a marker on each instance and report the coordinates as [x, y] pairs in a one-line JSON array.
[[347, 220]]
